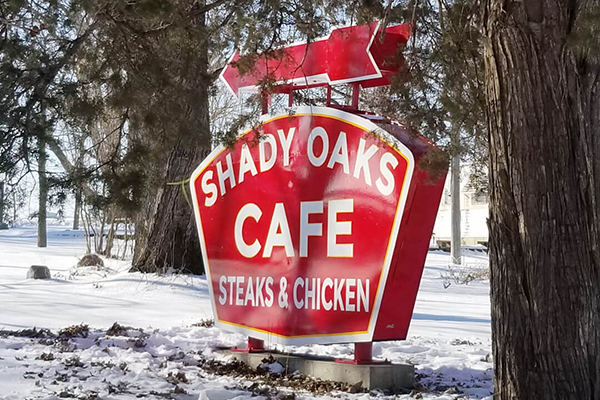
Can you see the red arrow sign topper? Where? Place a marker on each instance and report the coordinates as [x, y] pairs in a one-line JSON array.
[[350, 54]]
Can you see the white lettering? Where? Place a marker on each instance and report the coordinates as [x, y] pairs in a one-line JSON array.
[[269, 290], [363, 296], [336, 228], [239, 291], [362, 160], [249, 210], [318, 132], [306, 228], [387, 188], [298, 303], [231, 280], [250, 293], [260, 300], [347, 294], [310, 294], [227, 174], [327, 283], [337, 294], [274, 238], [350, 283], [209, 189], [286, 142], [340, 154], [223, 295], [246, 163], [265, 164]]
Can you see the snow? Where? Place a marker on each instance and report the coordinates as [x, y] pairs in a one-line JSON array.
[[449, 339], [273, 367]]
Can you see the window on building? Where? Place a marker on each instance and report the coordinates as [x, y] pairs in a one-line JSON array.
[[479, 199]]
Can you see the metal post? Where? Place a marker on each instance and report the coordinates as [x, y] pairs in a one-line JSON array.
[[254, 346], [266, 99], [291, 98], [328, 100], [355, 93], [363, 355]]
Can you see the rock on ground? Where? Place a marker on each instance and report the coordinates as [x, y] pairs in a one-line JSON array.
[[38, 272], [90, 260]]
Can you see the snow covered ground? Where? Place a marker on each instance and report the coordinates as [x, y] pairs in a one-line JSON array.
[[167, 353]]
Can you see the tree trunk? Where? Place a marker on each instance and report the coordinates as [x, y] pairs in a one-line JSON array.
[[167, 236], [87, 229], [126, 237], [43, 197], [111, 212], [172, 237], [1, 204], [455, 236], [77, 209], [544, 110], [99, 243], [14, 220]]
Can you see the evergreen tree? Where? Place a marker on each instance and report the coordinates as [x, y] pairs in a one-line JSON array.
[[38, 44], [162, 52], [148, 65]]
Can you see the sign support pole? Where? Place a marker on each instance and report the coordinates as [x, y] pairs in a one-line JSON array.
[[355, 93], [363, 352], [363, 355], [265, 102]]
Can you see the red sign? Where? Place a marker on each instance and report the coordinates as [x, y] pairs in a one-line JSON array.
[[350, 54], [300, 223]]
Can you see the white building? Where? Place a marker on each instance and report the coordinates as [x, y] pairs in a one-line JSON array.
[[473, 214]]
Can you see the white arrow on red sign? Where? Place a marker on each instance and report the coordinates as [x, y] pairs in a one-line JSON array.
[[350, 54]]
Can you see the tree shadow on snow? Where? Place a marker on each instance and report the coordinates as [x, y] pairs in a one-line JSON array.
[[452, 318]]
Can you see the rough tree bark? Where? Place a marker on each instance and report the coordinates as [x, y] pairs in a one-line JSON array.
[[456, 239], [171, 238], [544, 109], [1, 203], [42, 240], [166, 233], [77, 209]]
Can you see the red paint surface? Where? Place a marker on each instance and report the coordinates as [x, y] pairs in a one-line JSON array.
[[350, 54], [381, 249]]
